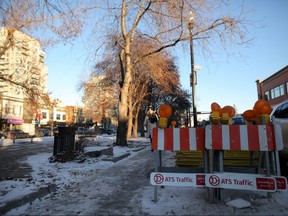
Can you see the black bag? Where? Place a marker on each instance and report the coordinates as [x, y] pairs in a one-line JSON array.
[[153, 118]]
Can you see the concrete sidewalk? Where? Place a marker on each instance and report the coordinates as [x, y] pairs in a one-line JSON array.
[[119, 169]]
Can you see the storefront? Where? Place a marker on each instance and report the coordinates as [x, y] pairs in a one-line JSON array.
[[14, 123]]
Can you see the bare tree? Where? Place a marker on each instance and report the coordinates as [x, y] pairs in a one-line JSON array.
[[165, 23]]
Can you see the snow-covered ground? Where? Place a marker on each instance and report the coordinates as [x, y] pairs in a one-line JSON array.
[[70, 176]]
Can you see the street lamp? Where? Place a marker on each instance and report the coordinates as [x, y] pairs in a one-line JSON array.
[[193, 75]]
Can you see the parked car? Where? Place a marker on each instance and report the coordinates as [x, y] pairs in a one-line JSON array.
[[3, 135], [39, 133], [279, 115], [238, 120], [42, 132], [16, 133], [55, 130]]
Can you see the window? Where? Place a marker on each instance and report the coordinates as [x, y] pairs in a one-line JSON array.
[[266, 96], [286, 87], [64, 117], [8, 109], [44, 115], [282, 111], [277, 91], [58, 116]]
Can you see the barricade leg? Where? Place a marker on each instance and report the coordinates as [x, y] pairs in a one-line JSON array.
[[158, 164], [267, 164], [273, 163], [277, 162], [260, 162]]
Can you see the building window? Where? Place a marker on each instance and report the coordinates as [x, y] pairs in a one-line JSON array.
[[286, 87], [277, 91], [8, 109], [266, 95], [58, 116], [64, 117], [44, 115]]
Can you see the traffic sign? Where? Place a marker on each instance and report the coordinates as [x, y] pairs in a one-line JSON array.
[[241, 181], [178, 179]]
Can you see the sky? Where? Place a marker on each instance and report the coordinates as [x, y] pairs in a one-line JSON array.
[[227, 81], [82, 187]]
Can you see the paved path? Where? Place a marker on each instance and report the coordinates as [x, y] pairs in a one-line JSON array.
[[117, 190]]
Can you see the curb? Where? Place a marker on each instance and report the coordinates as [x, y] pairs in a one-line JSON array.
[[115, 159], [43, 191]]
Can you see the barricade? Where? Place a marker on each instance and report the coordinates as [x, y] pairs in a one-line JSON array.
[[265, 139], [213, 140], [173, 139]]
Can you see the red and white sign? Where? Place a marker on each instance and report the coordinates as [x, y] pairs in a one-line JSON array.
[[243, 137], [178, 179], [281, 182], [184, 139], [240, 181]]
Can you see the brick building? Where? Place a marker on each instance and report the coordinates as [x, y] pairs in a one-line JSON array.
[[274, 88]]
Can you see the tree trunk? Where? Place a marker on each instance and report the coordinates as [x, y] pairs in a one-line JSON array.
[[135, 128], [130, 118], [135, 131], [122, 124], [121, 139]]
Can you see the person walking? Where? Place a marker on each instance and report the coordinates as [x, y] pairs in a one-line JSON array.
[[150, 122]]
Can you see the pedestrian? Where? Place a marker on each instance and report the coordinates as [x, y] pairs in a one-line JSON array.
[[150, 122]]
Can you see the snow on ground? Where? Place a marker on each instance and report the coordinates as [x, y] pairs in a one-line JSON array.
[[171, 200]]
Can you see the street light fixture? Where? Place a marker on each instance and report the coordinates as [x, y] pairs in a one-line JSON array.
[[193, 75]]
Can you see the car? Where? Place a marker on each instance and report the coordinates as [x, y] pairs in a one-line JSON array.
[[238, 120], [43, 132], [81, 130], [279, 115], [16, 134], [55, 130], [3, 135]]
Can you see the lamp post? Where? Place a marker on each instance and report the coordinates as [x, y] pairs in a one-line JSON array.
[[53, 105], [193, 76]]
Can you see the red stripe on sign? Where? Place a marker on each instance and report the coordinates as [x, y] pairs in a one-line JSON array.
[[270, 138], [253, 138], [234, 131], [168, 139], [217, 137], [184, 139], [200, 139], [155, 138]]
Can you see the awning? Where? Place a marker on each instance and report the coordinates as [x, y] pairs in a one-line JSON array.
[[15, 121]]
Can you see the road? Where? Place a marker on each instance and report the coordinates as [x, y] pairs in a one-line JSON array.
[[11, 153]]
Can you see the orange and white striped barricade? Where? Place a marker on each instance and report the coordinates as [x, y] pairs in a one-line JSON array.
[[262, 138], [174, 139]]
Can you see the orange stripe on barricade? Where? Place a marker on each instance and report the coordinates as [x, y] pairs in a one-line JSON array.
[[154, 138], [270, 138], [217, 137], [253, 138], [235, 143], [168, 139], [183, 139], [200, 139]]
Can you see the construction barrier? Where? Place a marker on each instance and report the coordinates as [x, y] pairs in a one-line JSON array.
[[174, 139], [262, 142]]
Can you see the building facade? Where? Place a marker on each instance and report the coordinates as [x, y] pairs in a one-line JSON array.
[[274, 89], [22, 65]]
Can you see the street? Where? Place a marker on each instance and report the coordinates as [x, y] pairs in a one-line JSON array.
[[11, 153]]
